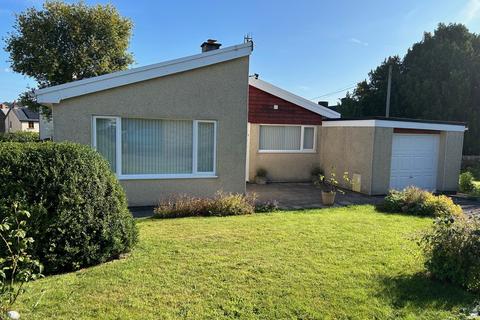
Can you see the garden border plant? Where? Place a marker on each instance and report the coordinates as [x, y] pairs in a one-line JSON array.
[[222, 204], [415, 201]]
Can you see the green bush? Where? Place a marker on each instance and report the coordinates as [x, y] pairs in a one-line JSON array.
[[474, 168], [466, 182], [16, 263], [19, 137], [452, 249], [79, 210], [266, 206], [223, 204], [415, 201]]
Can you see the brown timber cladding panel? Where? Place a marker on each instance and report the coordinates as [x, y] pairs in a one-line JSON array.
[[260, 110]]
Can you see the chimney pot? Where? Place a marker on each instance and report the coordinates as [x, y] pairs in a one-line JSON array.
[[210, 45]]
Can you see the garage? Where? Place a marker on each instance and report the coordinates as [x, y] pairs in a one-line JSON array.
[[414, 161], [381, 154]]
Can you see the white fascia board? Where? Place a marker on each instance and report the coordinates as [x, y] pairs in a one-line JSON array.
[[293, 98], [395, 124], [55, 94]]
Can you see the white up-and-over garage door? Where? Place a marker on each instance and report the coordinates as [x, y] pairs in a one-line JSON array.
[[414, 161]]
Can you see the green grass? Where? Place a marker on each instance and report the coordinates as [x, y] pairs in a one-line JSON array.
[[340, 263]]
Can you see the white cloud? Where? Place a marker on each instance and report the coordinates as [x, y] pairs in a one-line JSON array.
[[470, 11], [8, 70], [360, 42]]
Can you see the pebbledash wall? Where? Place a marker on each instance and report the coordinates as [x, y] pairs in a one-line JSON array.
[[367, 151], [216, 92], [281, 167]]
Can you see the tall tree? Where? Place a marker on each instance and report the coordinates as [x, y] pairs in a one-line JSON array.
[[66, 42], [439, 79]]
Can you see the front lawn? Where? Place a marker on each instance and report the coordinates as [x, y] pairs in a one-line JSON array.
[[340, 263]]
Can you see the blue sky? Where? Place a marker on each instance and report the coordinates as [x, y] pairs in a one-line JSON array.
[[311, 48]]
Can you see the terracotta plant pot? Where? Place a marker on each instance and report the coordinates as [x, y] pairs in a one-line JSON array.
[[260, 180], [328, 198]]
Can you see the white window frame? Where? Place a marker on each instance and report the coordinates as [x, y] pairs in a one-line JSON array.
[[118, 147], [302, 132]]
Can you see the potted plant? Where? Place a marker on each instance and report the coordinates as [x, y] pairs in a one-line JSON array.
[[330, 187], [315, 174], [261, 177]]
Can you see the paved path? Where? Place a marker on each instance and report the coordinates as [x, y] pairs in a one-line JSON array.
[[304, 195], [294, 196], [469, 206]]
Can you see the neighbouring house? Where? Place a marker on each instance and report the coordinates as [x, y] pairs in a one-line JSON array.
[[200, 124], [3, 112], [175, 127], [21, 119]]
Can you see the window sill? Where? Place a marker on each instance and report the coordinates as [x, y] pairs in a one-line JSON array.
[[165, 176]]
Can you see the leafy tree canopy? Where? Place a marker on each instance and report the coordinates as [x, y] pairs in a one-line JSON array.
[[438, 79], [66, 42]]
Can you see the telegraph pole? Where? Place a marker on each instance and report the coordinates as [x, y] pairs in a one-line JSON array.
[[389, 88]]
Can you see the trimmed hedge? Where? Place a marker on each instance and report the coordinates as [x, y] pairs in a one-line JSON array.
[[415, 201], [20, 137], [452, 249], [79, 210]]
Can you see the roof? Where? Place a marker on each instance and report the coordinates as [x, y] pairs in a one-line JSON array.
[[57, 93], [293, 98], [25, 114], [403, 123]]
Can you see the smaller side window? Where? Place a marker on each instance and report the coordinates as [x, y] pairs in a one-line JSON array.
[[31, 125], [308, 138]]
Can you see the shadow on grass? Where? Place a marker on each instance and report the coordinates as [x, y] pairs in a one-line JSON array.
[[421, 291]]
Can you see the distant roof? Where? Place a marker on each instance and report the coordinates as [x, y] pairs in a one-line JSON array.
[[25, 114], [293, 98], [57, 93]]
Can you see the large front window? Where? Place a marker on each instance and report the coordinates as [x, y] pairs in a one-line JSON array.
[[287, 138], [148, 148]]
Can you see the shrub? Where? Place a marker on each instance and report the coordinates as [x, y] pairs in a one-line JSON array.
[[223, 204], [413, 200], [466, 182], [452, 249], [79, 210], [20, 137], [473, 168], [16, 264], [266, 206]]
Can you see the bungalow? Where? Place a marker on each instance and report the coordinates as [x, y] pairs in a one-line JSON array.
[[200, 124], [289, 136]]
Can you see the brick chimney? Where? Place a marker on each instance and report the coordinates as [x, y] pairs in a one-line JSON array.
[[209, 45]]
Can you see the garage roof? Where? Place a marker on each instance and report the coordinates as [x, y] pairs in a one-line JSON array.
[[403, 123]]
